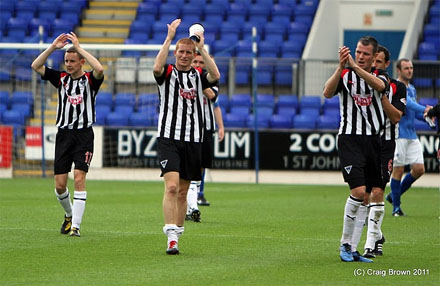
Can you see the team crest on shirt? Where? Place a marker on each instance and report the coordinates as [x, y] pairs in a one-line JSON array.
[[188, 93], [163, 163], [75, 99], [403, 100], [348, 169], [362, 100]]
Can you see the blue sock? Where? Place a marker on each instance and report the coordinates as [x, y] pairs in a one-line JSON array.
[[406, 183], [202, 184], [395, 193]]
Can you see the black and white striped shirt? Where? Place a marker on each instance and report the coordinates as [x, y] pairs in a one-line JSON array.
[[360, 106], [181, 111], [397, 96], [76, 98], [209, 110]]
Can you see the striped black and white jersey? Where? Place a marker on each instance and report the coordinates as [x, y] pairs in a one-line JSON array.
[[209, 110], [396, 94], [76, 98], [181, 110], [360, 106]]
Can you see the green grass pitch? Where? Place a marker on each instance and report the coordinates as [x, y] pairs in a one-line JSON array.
[[265, 234]]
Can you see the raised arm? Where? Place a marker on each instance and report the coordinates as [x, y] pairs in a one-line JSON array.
[[161, 58], [59, 43], [213, 73], [98, 70], [372, 80], [332, 83]]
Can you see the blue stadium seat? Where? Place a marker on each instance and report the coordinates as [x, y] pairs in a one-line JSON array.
[[246, 30], [278, 121], [310, 111], [244, 49], [140, 119], [240, 100], [215, 10], [170, 9], [224, 49], [237, 13], [304, 122], [287, 100], [281, 14], [265, 100], [243, 110], [332, 112], [290, 3], [259, 13], [428, 101], [229, 32], [274, 32], [22, 97], [223, 100], [265, 74], [148, 99], [18, 25], [48, 15], [427, 49], [286, 111], [104, 98], [309, 101], [117, 119], [262, 121], [327, 122], [234, 120], [23, 108], [224, 3], [304, 14], [420, 82], [125, 99], [331, 103], [16, 120], [283, 73], [243, 71], [291, 49], [268, 49], [37, 22], [4, 97], [25, 9], [101, 113], [264, 111]]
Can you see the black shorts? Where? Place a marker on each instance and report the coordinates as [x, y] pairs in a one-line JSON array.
[[360, 160], [386, 159], [207, 149], [73, 146], [180, 156]]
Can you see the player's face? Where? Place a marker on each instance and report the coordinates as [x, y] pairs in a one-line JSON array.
[[406, 70], [364, 56], [379, 61], [184, 56], [73, 63], [198, 62]]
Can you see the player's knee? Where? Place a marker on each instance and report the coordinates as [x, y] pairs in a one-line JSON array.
[[172, 188]]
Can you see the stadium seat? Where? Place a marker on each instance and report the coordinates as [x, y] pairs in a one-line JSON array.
[[140, 119], [283, 73], [101, 113], [148, 99], [104, 98], [265, 74], [240, 100], [259, 13], [291, 49], [237, 13], [309, 101], [4, 97], [310, 112], [234, 120], [304, 122], [327, 122], [428, 101], [265, 100], [286, 111], [287, 100], [281, 14], [124, 109], [22, 97], [241, 110], [243, 70], [23, 108], [223, 100], [423, 82], [125, 99], [281, 122], [262, 121], [229, 32], [331, 103], [274, 32], [244, 49], [117, 119], [224, 49], [16, 120], [268, 49]]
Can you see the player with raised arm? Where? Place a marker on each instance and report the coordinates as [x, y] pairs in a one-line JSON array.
[[180, 125], [77, 91]]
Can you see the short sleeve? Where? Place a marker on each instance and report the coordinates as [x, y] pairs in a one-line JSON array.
[[53, 76]]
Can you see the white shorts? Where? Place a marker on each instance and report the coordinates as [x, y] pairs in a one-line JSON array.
[[408, 152]]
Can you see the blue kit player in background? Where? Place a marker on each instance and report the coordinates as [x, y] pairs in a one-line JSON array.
[[408, 147]]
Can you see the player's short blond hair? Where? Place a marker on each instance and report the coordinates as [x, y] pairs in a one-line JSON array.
[[186, 41]]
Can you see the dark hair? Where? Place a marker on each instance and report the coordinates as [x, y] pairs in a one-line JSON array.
[[399, 62], [73, 50], [385, 51], [369, 40]]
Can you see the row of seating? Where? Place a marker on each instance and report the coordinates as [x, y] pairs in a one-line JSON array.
[[429, 48]]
